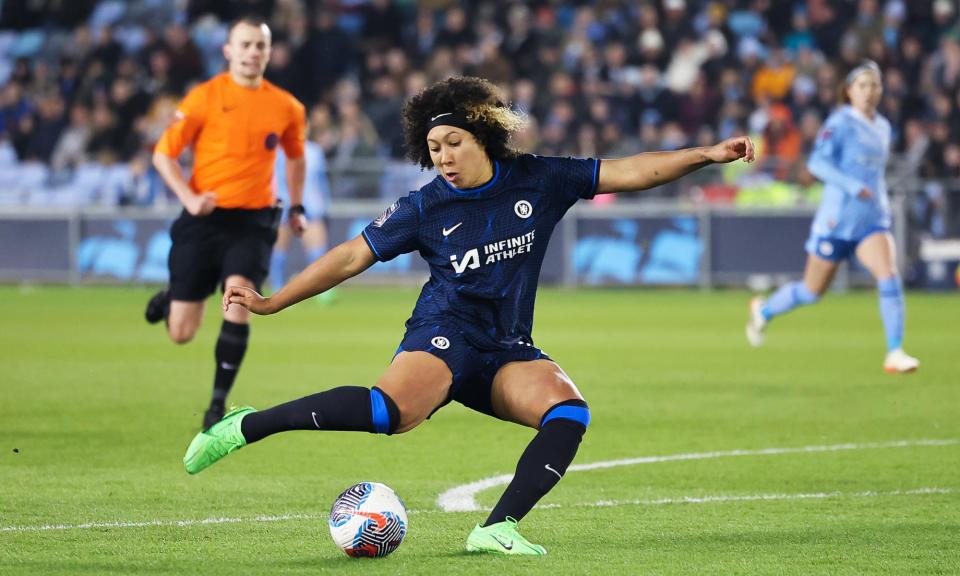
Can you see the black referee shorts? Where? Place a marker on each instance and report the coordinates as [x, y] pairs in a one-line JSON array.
[[208, 249]]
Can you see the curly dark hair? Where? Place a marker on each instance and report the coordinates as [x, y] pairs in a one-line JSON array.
[[492, 122]]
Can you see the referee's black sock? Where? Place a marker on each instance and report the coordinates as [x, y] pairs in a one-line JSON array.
[[348, 408], [231, 346], [541, 466]]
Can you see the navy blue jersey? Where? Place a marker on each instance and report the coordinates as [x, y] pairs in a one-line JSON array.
[[484, 245]]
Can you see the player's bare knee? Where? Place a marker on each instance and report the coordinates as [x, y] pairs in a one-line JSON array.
[[410, 416], [180, 334], [408, 424], [237, 280]]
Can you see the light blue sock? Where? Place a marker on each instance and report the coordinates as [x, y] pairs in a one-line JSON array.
[[788, 297], [892, 311], [278, 266]]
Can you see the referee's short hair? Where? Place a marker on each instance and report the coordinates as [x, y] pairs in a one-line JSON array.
[[254, 20]]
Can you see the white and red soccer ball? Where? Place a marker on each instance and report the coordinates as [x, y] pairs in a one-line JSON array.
[[368, 520]]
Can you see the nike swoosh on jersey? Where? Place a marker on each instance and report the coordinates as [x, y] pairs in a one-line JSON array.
[[449, 231]]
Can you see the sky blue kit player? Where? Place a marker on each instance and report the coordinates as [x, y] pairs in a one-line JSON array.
[[850, 157], [482, 225], [316, 202]]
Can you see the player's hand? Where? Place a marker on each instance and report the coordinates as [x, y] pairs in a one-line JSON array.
[[298, 223], [246, 297], [202, 204], [865, 194], [732, 149]]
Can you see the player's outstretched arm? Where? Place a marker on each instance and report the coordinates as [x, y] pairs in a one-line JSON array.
[[343, 262], [650, 169]]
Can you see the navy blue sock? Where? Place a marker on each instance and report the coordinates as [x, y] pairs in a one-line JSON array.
[[544, 461], [231, 347], [350, 408]]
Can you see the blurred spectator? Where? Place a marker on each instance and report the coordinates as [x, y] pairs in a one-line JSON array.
[[13, 107], [328, 53], [698, 107], [383, 109], [71, 149], [280, 70], [108, 142], [380, 29], [774, 78], [48, 123], [782, 143], [455, 31], [596, 77]]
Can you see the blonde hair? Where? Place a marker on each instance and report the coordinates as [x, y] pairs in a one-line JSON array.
[[500, 116]]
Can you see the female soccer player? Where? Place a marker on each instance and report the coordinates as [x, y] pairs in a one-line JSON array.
[[483, 225], [853, 218]]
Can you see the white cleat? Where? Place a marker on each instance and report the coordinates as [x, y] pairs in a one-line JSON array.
[[756, 324], [899, 362]]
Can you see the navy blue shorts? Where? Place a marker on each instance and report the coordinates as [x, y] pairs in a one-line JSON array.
[[473, 369]]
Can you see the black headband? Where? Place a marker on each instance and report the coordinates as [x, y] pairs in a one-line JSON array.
[[456, 118]]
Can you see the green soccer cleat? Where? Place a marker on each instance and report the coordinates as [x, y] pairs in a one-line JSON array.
[[216, 442], [502, 538]]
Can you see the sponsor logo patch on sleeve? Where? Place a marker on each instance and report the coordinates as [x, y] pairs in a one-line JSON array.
[[381, 219]]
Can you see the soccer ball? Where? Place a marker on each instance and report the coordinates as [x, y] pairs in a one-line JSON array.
[[368, 520]]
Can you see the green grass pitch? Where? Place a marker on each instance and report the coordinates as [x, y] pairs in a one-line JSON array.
[[97, 407]]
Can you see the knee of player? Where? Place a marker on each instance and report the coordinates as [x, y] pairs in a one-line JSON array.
[[890, 286], [574, 414], [386, 417], [180, 334], [805, 295]]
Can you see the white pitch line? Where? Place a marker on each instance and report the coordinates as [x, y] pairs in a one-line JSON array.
[[599, 504], [463, 498], [762, 497], [160, 523]]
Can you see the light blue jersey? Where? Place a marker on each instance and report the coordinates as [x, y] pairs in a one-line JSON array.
[[850, 154], [316, 187]]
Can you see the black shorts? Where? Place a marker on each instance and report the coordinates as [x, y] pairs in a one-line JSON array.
[[208, 249], [473, 369]]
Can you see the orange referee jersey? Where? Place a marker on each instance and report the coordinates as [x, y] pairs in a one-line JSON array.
[[235, 132]]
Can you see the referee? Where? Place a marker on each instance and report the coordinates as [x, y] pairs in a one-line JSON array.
[[228, 225]]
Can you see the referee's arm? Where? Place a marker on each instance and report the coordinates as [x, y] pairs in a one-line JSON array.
[[172, 174], [296, 175]]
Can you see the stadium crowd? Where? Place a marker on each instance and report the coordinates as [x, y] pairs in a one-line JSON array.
[[87, 86]]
